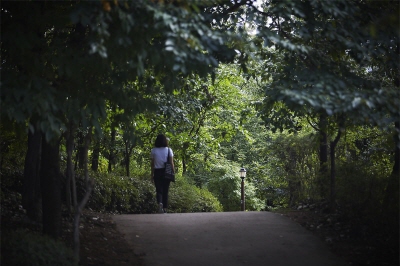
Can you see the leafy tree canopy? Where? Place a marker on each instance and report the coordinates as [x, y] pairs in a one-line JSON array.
[[331, 57], [63, 61]]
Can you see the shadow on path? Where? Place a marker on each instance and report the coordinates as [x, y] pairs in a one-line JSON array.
[[220, 239]]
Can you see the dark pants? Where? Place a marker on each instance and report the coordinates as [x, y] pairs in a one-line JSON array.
[[162, 187]]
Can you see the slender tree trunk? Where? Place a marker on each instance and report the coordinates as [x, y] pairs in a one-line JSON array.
[[323, 155], [184, 166], [81, 150], [51, 189], [31, 192], [111, 157], [391, 201], [127, 158], [86, 143], [78, 212], [185, 157], [96, 156], [70, 168], [390, 209], [74, 193], [333, 170], [89, 187]]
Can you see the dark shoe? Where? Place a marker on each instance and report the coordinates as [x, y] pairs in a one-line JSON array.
[[160, 208]]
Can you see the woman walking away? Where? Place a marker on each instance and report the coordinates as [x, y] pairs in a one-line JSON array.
[[159, 156]]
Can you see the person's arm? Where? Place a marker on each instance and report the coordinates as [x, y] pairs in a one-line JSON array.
[[172, 162]]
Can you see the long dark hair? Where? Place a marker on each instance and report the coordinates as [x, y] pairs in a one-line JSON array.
[[161, 141]]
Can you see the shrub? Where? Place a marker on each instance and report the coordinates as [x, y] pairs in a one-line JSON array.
[[146, 201], [185, 197], [226, 187], [24, 247], [113, 193], [206, 202]]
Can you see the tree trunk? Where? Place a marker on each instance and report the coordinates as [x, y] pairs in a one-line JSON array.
[[390, 207], [111, 150], [86, 143], [96, 156], [333, 171], [184, 166], [323, 155], [31, 190], [78, 213], [127, 156], [81, 150], [70, 168], [51, 189], [89, 186], [392, 191]]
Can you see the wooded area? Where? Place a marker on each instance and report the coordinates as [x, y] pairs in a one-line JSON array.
[[303, 94]]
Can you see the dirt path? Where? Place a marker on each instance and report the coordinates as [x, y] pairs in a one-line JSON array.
[[229, 238]]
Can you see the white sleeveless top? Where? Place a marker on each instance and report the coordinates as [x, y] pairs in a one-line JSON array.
[[160, 156]]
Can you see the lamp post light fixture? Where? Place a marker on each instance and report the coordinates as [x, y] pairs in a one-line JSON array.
[[242, 173]]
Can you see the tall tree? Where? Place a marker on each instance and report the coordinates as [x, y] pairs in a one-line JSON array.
[[65, 61], [31, 195], [329, 51], [50, 181]]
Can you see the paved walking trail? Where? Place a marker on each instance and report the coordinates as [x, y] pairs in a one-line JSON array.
[[223, 239]]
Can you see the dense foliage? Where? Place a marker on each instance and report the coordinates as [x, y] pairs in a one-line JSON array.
[[304, 94]]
